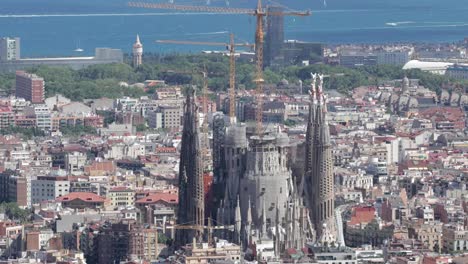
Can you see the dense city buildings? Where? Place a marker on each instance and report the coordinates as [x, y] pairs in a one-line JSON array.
[[370, 174], [364, 162]]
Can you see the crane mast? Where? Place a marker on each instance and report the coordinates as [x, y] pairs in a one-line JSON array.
[[259, 41], [231, 46], [206, 144], [259, 13], [232, 80]]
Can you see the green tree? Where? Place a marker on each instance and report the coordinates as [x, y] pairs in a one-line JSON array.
[[141, 128], [7, 81], [78, 130], [15, 213], [290, 122], [25, 133], [272, 77]]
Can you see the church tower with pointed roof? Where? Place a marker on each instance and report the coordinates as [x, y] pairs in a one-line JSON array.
[[318, 181], [191, 188], [137, 52]]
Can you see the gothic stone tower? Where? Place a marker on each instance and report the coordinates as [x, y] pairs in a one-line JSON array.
[[265, 185], [191, 188], [318, 181]]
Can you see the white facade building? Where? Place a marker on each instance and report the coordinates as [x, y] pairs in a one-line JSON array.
[[48, 189], [75, 162], [43, 117], [9, 49]]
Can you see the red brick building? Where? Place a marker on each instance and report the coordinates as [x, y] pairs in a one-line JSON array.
[[105, 167], [445, 118], [30, 87], [22, 192]]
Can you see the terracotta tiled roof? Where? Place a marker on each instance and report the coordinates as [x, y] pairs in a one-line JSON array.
[[443, 113], [84, 196], [362, 215], [170, 198], [107, 166]]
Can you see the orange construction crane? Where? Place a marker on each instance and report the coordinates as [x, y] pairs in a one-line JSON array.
[[259, 13], [231, 46]]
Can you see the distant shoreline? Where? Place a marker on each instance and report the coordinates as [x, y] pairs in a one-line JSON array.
[[334, 45], [48, 27]]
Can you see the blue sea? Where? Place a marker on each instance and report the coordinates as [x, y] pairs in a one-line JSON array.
[[58, 27]]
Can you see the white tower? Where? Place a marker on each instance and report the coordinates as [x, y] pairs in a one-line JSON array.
[[137, 52]]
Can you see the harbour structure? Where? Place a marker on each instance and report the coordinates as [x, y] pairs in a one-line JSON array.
[[318, 182], [101, 56], [191, 184], [137, 52]]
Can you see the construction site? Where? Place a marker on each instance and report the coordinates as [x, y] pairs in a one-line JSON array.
[[258, 203]]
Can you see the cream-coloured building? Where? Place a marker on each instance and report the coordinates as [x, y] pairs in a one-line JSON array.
[[429, 234], [121, 196], [223, 251], [455, 238]]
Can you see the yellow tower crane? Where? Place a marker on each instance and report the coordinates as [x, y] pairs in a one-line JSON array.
[[231, 46], [259, 12]]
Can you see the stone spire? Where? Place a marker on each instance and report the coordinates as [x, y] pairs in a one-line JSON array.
[[248, 224], [238, 224], [249, 213], [138, 40], [220, 218], [264, 224], [318, 181], [278, 239], [405, 85], [191, 187], [294, 223], [227, 207], [310, 134]]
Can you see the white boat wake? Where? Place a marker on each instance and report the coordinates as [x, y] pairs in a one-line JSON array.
[[395, 24]]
